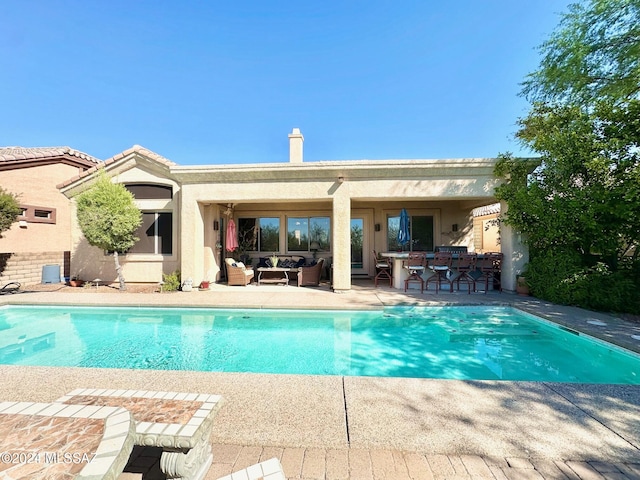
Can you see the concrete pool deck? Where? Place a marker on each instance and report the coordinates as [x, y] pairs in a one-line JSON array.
[[367, 427]]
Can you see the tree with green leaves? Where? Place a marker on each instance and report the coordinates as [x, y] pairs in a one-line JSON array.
[[593, 55], [580, 206], [9, 210], [109, 218]]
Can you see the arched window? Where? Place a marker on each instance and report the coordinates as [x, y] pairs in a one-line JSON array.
[[150, 191]]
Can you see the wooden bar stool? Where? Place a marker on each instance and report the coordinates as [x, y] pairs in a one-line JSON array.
[[415, 265], [383, 269], [441, 266]]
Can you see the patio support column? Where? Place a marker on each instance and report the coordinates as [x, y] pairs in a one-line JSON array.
[[341, 245], [515, 253], [191, 237]]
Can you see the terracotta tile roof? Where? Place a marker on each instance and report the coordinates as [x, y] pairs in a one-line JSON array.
[[486, 210], [143, 151], [19, 154]]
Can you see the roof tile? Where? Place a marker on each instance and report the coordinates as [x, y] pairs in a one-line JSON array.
[[8, 154]]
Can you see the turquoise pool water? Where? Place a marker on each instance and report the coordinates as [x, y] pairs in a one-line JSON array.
[[427, 342]]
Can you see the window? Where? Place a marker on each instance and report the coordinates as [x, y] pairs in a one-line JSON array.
[[42, 213], [144, 191], [420, 233], [34, 214], [155, 234], [302, 231], [259, 234]]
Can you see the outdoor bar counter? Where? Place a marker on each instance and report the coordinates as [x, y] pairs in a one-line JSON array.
[[400, 273]]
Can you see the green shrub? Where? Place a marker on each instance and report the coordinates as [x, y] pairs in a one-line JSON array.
[[547, 271], [171, 281], [562, 277]]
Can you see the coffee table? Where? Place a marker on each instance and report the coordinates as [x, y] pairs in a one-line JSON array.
[[283, 278]]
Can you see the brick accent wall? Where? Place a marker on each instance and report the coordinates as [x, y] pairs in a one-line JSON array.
[[26, 268]]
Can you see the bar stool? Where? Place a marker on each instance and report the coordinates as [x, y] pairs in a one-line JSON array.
[[441, 266], [466, 265], [490, 268], [383, 270], [415, 265]]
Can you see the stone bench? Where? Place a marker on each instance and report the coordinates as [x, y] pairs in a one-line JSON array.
[[179, 423], [53, 440]]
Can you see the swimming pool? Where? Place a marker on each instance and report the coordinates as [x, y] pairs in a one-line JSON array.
[[427, 342]]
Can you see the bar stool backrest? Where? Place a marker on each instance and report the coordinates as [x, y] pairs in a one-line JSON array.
[[467, 262], [442, 259], [416, 259]]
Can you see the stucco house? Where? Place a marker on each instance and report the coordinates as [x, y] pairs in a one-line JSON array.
[[42, 235], [340, 210]]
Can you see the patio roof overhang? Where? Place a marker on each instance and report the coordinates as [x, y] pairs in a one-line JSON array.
[[332, 170], [471, 181]]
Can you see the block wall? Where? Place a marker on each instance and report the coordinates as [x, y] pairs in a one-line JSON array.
[[26, 268]]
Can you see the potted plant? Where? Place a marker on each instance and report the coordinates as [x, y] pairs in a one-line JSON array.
[[522, 287], [247, 241], [76, 282], [204, 284]]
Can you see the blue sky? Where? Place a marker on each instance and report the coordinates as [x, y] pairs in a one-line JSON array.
[[223, 82]]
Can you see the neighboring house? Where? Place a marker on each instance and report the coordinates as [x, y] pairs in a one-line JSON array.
[[42, 236], [339, 210], [486, 231]]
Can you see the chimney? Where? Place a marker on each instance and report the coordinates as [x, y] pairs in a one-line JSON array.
[[295, 146]]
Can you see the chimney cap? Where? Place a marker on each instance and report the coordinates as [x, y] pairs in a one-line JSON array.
[[295, 133]]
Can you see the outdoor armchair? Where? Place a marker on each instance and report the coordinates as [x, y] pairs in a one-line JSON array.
[[237, 273], [310, 276]]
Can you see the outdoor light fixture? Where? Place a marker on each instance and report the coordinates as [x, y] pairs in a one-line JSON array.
[[454, 227], [376, 227], [340, 179], [216, 225]]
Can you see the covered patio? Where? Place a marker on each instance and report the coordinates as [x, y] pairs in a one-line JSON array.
[[340, 211]]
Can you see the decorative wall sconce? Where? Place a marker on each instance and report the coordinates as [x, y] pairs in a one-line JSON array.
[[216, 225], [340, 179], [454, 227], [376, 227]]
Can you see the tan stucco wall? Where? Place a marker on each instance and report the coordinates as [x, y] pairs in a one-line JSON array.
[[515, 252], [486, 233], [449, 198], [89, 263], [37, 186], [448, 190]]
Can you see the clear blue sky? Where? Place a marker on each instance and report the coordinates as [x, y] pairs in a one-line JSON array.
[[212, 81]]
